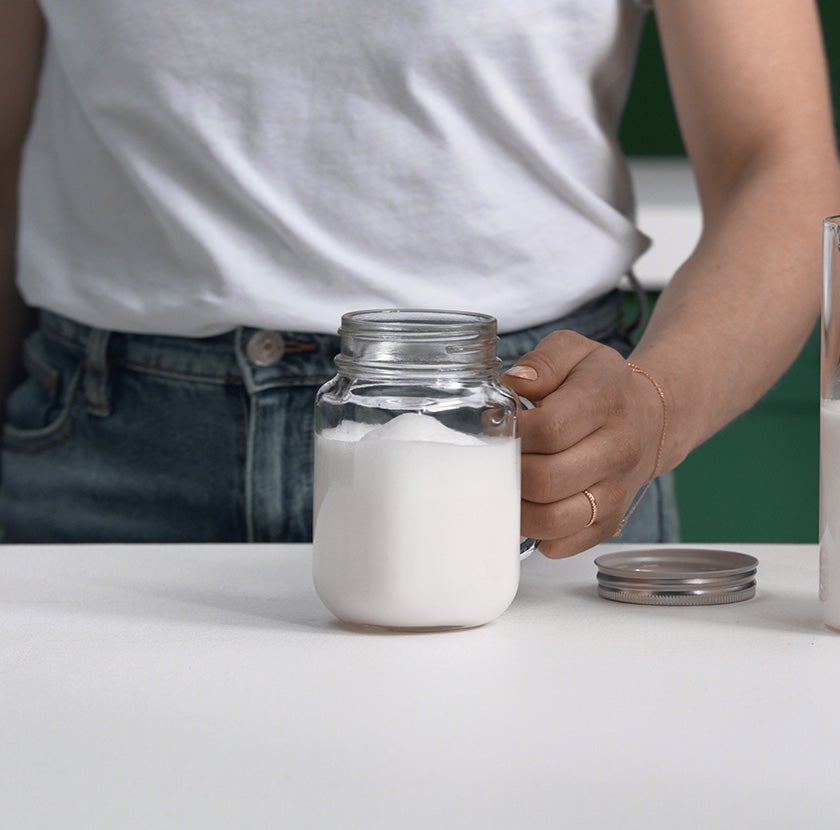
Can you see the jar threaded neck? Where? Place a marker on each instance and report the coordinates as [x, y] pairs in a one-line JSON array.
[[418, 341]]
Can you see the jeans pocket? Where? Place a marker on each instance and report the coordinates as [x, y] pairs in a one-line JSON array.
[[40, 411]]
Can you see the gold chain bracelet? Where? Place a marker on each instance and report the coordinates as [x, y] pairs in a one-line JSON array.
[[660, 449]]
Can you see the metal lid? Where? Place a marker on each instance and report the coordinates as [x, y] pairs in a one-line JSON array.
[[677, 576]]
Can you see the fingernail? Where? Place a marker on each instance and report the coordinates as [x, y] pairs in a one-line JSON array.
[[522, 371]]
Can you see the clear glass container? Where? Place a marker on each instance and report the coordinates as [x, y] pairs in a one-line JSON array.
[[417, 473], [830, 428]]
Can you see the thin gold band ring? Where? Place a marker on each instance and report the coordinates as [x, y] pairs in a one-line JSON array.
[[594, 505]]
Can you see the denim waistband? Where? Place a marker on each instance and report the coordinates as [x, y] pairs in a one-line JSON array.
[[261, 358]]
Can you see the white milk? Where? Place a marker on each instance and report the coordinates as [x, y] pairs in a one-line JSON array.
[[416, 525], [830, 512]]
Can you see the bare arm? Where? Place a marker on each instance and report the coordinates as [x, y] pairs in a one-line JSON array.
[[750, 86], [21, 39]]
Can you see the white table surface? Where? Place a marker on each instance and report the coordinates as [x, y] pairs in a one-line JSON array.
[[206, 687]]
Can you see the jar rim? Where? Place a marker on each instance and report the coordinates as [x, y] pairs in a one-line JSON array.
[[416, 321]]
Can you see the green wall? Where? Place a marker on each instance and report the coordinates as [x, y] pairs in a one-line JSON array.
[[756, 480]]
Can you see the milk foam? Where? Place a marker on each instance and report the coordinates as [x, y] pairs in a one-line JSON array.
[[416, 524]]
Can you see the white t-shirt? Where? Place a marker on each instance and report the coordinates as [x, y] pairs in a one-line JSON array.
[[194, 166]]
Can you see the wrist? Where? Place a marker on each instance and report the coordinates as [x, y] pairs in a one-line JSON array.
[[663, 405], [691, 405]]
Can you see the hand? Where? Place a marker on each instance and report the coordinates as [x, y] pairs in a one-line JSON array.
[[596, 426]]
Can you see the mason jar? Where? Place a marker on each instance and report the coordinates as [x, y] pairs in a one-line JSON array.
[[417, 473]]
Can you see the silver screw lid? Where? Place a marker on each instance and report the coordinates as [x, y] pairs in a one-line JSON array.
[[677, 576]]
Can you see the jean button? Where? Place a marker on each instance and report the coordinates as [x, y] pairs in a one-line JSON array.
[[265, 348]]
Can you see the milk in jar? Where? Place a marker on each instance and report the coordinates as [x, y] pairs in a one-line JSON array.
[[416, 524]]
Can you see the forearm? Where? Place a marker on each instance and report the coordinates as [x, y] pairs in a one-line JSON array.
[[15, 318], [750, 89], [738, 312], [22, 32]]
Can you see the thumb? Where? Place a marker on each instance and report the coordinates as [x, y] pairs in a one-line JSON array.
[[539, 372]]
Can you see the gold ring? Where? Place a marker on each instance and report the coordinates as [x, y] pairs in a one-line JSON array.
[[594, 505]]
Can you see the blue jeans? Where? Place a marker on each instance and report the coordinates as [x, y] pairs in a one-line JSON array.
[[141, 438]]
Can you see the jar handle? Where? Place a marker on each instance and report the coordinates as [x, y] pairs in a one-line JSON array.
[[527, 545]]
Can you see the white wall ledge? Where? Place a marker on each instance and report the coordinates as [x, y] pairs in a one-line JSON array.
[[668, 211]]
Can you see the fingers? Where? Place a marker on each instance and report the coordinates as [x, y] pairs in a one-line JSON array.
[[575, 389], [612, 451], [541, 371], [583, 523]]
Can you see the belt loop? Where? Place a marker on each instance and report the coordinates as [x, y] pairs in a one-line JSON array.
[[96, 373]]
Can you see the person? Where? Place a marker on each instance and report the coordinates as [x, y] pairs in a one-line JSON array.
[[203, 192]]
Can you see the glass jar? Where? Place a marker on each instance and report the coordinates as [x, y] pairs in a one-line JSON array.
[[417, 473], [829, 585]]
